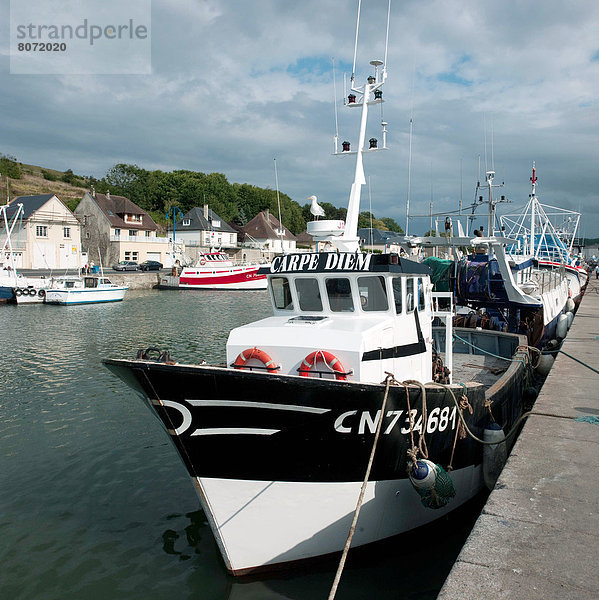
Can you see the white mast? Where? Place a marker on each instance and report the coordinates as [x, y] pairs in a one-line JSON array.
[[533, 200], [345, 235]]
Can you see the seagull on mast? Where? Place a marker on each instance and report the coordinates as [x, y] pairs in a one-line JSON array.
[[315, 208]]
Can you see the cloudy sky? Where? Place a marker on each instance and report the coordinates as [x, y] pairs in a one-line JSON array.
[[234, 84]]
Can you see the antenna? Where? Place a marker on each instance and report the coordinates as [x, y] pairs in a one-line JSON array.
[[335, 107], [485, 131], [279, 205], [387, 39], [461, 187], [353, 71], [409, 181], [492, 145]]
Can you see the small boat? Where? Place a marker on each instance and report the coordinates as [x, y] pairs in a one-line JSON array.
[[31, 290], [216, 271], [87, 290], [279, 440]]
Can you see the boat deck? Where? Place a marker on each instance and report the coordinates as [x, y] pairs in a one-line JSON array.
[[480, 368]]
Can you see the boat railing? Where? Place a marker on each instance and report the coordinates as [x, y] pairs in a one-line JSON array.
[[442, 308]]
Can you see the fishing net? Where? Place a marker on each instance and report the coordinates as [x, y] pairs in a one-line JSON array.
[[440, 493]]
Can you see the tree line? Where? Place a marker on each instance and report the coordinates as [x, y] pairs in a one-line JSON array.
[[158, 191]]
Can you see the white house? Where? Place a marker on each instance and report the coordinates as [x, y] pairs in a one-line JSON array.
[[265, 229], [49, 236], [203, 227]]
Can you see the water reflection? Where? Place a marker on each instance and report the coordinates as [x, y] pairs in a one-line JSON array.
[[87, 474]]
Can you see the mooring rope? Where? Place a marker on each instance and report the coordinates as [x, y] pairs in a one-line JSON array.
[[388, 380]]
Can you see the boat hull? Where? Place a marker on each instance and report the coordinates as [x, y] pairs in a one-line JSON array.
[[278, 460], [85, 296], [235, 278]]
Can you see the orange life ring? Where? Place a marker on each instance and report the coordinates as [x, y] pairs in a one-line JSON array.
[[258, 354], [330, 360]]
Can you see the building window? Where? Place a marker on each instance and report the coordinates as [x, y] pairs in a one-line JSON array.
[[186, 222], [132, 232], [134, 256], [127, 255], [41, 231], [117, 232], [148, 234], [66, 232]]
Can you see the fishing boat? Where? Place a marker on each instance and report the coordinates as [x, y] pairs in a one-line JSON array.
[[547, 234], [279, 440], [497, 289], [216, 271]]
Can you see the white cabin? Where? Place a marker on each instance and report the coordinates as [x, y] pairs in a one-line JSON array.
[[371, 312]]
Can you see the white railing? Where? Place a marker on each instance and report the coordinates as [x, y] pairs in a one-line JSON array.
[[141, 239]]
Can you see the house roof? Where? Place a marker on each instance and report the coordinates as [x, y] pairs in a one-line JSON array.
[[199, 223], [30, 204], [379, 237], [115, 208], [304, 238], [265, 227]]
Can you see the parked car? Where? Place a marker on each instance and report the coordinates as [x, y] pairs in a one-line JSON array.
[[150, 265], [126, 265]]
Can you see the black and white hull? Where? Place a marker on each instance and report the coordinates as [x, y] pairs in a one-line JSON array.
[[278, 460]]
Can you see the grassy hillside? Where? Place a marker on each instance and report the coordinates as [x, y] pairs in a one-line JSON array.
[[33, 182]]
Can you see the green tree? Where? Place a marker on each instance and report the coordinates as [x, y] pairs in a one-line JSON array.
[[391, 224], [10, 167]]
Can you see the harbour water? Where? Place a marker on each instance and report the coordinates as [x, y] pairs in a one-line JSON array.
[[94, 501]]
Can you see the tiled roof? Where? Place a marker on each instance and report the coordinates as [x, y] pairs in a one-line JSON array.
[[199, 223], [265, 227], [30, 204], [379, 237], [115, 208]]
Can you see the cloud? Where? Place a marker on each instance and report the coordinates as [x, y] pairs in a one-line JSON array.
[[235, 84]]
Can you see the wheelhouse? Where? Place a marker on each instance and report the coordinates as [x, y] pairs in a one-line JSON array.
[[372, 313]]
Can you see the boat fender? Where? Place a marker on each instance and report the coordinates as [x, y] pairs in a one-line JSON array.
[[423, 474], [258, 354], [545, 363], [494, 455], [562, 327], [570, 305], [41, 293], [331, 361], [432, 482], [18, 292], [570, 317]]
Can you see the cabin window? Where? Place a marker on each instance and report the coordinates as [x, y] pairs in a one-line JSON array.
[[339, 293], [308, 294], [410, 294], [281, 293], [421, 301], [397, 294], [373, 296]]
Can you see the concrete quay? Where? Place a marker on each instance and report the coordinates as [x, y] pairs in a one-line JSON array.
[[538, 535]]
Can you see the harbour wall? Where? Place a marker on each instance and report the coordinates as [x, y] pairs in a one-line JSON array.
[[136, 280], [538, 535]]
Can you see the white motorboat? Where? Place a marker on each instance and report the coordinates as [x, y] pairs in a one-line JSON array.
[[86, 290]]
